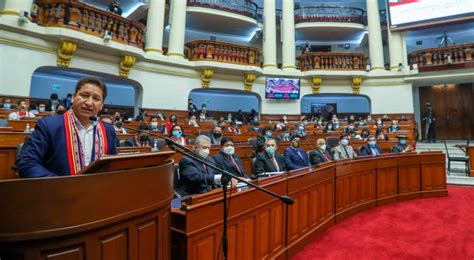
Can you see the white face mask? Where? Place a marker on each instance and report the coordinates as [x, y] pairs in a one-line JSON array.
[[154, 124], [323, 147], [204, 153], [229, 150], [41, 109]]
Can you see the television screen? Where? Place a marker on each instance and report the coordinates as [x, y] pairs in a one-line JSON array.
[[282, 88], [406, 14]]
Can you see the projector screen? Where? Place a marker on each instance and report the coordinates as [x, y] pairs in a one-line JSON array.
[[418, 13], [282, 88]]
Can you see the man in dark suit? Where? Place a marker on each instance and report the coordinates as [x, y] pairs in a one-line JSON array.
[[64, 145], [285, 136], [53, 102], [228, 159], [196, 177], [270, 160], [297, 157], [394, 127], [371, 148], [141, 138], [321, 154], [192, 109]]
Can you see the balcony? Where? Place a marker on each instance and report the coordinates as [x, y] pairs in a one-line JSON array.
[[75, 15], [330, 14], [223, 52], [331, 61], [244, 8], [443, 58]]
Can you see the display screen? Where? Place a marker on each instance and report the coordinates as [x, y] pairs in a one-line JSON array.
[[409, 13], [282, 88]]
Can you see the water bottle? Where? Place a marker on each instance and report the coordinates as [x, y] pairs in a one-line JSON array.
[[155, 147], [27, 128]]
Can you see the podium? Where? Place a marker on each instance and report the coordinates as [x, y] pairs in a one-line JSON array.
[[118, 209]]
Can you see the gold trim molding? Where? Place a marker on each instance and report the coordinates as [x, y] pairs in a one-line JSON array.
[[248, 81], [206, 77], [316, 84], [65, 52], [126, 63], [356, 82]]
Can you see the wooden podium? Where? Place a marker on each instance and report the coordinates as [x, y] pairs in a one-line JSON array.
[[121, 211]]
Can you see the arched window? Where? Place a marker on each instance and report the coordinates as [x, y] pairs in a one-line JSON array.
[[226, 100], [342, 103]]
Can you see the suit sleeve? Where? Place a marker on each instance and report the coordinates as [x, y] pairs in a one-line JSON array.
[[364, 151], [259, 165], [113, 142], [287, 154], [34, 153], [260, 143], [313, 158], [336, 154], [191, 174]]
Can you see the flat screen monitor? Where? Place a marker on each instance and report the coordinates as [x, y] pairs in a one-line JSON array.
[[407, 14], [282, 88]]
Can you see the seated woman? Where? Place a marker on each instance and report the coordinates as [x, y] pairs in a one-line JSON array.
[[176, 135], [170, 123], [364, 134], [23, 110], [329, 128], [380, 135], [228, 159], [193, 121]]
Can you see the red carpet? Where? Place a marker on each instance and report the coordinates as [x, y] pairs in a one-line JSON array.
[[438, 228]]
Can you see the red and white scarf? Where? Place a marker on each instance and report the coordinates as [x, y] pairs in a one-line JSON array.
[[75, 154]]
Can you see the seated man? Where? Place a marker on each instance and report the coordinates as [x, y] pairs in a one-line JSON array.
[[402, 146], [371, 148], [394, 127], [296, 156], [344, 150], [6, 103], [285, 136], [141, 138], [350, 130], [270, 160], [154, 125], [23, 110], [228, 159], [265, 134], [64, 145], [321, 154], [195, 176]]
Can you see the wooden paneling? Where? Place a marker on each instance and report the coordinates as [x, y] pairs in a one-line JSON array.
[[408, 176], [114, 246], [433, 174], [74, 252], [387, 181]]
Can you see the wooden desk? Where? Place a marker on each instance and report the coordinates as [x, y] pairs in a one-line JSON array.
[[322, 197], [114, 215], [8, 145], [469, 150]]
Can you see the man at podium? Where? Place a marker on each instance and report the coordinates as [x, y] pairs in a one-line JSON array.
[[65, 144]]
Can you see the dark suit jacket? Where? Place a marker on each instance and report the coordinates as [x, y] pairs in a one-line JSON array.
[[316, 156], [282, 137], [193, 110], [224, 160], [296, 161], [195, 178], [45, 153], [393, 129], [263, 163], [366, 150], [131, 142]]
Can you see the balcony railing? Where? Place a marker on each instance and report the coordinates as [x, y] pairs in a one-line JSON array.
[[329, 14], [331, 61], [78, 16], [245, 8], [223, 52], [441, 58]]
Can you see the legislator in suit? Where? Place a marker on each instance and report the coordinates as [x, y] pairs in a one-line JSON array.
[[371, 148], [231, 163], [344, 150], [320, 156], [296, 156], [196, 177], [270, 160]]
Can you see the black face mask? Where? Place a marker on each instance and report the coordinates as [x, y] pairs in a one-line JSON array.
[[119, 124], [60, 112], [217, 135]]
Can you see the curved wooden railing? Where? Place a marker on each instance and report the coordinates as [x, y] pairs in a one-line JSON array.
[[331, 61], [245, 8], [330, 14], [223, 52], [75, 15], [441, 57]]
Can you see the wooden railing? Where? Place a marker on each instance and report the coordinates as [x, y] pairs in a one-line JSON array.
[[324, 13], [246, 8], [449, 57], [223, 52], [79, 16], [331, 61]]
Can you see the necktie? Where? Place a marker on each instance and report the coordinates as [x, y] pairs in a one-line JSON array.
[[374, 151], [347, 154], [275, 164], [236, 165], [325, 156]]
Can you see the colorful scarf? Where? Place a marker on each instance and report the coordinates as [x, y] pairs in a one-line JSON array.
[[75, 154]]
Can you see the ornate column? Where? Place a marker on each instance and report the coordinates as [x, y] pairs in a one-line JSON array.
[[178, 27], [375, 35], [269, 34], [288, 34], [155, 24], [14, 7]]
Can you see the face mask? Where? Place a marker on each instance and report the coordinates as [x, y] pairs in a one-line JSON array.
[[119, 124], [320, 123], [330, 127], [301, 128], [202, 117], [173, 119], [177, 134], [229, 150], [369, 119], [284, 118], [295, 144], [403, 141], [7, 105], [287, 134], [379, 122], [41, 109], [270, 150], [268, 134], [372, 143], [154, 124], [345, 142], [394, 126], [351, 127], [217, 135], [305, 123], [204, 153], [323, 147]]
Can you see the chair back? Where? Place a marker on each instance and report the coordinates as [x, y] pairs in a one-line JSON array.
[[160, 144], [332, 142]]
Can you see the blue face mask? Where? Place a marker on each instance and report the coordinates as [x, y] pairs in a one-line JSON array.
[[345, 142], [287, 134], [7, 106], [268, 134], [270, 150], [403, 141], [177, 134], [372, 143], [394, 126]]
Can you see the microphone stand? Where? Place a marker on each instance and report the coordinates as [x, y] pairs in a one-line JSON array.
[[226, 176]]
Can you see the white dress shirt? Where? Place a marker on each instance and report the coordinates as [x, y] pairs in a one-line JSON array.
[[86, 136]]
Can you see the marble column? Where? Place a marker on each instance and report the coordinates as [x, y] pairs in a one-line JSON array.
[[178, 28], [288, 35], [269, 34], [375, 35], [14, 7], [155, 26]]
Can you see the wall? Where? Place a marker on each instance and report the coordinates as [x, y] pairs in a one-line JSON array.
[[225, 100], [345, 103]]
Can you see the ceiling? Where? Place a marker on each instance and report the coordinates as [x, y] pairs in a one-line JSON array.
[[203, 21]]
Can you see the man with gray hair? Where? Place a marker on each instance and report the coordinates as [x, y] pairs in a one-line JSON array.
[[321, 154], [196, 177]]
